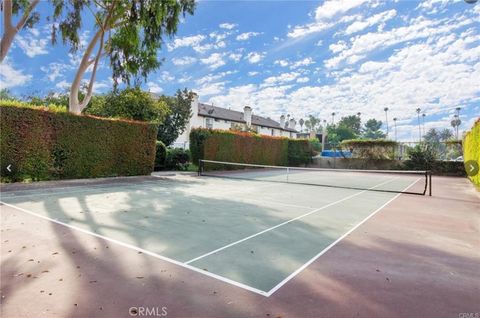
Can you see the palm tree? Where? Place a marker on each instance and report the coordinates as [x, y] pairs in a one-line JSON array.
[[419, 128], [386, 118]]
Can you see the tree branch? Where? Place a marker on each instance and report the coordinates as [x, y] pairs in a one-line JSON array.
[[26, 14]]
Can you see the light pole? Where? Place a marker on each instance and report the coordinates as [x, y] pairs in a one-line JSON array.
[[423, 123], [395, 125], [386, 118], [419, 127], [333, 118]]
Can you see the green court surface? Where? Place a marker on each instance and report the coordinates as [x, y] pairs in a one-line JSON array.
[[255, 235]]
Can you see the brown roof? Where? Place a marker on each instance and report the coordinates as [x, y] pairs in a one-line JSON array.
[[236, 116]]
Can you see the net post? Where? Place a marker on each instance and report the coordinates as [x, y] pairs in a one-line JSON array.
[[200, 163], [288, 172], [430, 183]]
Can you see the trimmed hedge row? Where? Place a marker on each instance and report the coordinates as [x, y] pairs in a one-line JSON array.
[[244, 147], [41, 145], [371, 148], [471, 149]]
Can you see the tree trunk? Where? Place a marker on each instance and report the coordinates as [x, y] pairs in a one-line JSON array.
[[74, 104], [9, 31]]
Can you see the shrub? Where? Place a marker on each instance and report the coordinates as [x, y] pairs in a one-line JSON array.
[[471, 149], [177, 159], [160, 156], [420, 157], [315, 144], [43, 144], [299, 152], [370, 148], [131, 103], [246, 147]]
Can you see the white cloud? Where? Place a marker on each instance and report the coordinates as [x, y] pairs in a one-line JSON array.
[[282, 78], [305, 62], [338, 47], [165, 76], [31, 43], [325, 16], [181, 61], [302, 79], [10, 77], [253, 73], [282, 63], [375, 19], [187, 41], [214, 61], [55, 70], [245, 36], [154, 88], [210, 89], [227, 26], [235, 56], [255, 57], [63, 85]]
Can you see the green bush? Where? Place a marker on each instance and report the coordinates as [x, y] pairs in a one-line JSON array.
[[299, 152], [315, 144], [42, 144], [370, 148], [131, 103], [471, 149], [177, 159], [246, 147], [160, 156], [420, 157]]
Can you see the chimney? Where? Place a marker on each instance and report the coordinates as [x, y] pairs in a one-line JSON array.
[[194, 105], [247, 115], [282, 121], [292, 123]]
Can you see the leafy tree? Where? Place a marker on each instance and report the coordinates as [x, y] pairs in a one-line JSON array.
[[6, 95], [28, 18], [446, 134], [351, 123], [372, 129], [131, 103], [340, 133], [129, 32], [179, 115], [313, 124]]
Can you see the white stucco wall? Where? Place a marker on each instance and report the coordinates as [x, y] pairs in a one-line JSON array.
[[197, 121]]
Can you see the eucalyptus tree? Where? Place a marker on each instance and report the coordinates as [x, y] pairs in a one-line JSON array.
[[28, 18], [128, 32]]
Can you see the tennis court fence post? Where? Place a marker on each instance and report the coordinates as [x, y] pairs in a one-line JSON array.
[[200, 167]]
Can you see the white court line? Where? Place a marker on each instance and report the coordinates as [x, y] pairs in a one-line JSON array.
[[284, 223], [295, 273], [136, 248], [185, 265]]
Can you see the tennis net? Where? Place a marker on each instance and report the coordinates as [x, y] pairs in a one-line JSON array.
[[397, 181]]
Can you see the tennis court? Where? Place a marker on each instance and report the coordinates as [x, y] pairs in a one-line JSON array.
[[238, 227]]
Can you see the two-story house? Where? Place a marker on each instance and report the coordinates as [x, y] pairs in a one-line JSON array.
[[213, 117]]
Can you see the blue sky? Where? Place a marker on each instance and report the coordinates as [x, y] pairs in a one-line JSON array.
[[298, 58]]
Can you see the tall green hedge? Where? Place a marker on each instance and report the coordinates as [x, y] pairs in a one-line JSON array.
[[471, 149], [40, 144], [244, 147]]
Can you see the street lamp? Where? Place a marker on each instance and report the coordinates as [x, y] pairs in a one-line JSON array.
[[419, 127], [386, 118], [395, 125], [333, 118], [423, 123]]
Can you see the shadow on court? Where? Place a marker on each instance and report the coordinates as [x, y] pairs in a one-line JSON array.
[[378, 271]]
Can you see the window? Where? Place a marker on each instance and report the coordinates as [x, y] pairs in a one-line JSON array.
[[217, 120], [273, 132], [209, 123]]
